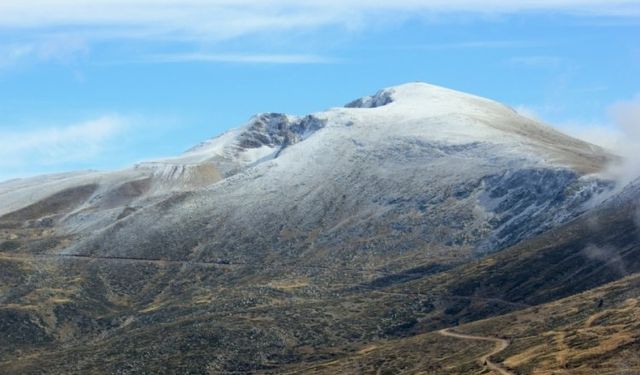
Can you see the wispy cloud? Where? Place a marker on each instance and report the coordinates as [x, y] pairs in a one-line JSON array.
[[223, 19], [77, 25], [240, 58], [477, 44], [51, 147], [626, 117], [608, 136], [527, 111], [591, 89], [620, 134], [63, 48], [536, 61]]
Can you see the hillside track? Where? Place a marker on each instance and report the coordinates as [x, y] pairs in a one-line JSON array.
[[485, 360]]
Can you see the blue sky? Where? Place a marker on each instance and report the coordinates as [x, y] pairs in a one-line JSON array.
[[102, 84]]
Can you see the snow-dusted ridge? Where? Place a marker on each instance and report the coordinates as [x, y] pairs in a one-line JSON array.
[[436, 165], [261, 139], [382, 97]]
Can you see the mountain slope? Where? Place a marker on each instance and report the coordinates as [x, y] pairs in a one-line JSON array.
[[295, 239], [431, 167], [237, 318], [592, 332]]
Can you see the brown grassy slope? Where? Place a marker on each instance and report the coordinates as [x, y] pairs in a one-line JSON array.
[[88, 316], [132, 316], [597, 331], [59, 203], [593, 250]]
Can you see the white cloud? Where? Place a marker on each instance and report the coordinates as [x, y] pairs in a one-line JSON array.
[[77, 24], [475, 44], [536, 61], [620, 135], [626, 117], [224, 19], [63, 48], [241, 58], [528, 112], [607, 136], [43, 148]]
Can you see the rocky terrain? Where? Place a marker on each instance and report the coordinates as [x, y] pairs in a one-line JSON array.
[[341, 241]]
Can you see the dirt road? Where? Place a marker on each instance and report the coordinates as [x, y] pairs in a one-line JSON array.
[[485, 360]]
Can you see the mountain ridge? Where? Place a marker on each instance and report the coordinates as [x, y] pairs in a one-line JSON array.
[[294, 240]]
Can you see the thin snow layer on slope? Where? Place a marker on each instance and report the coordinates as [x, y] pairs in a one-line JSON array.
[[453, 117], [16, 194], [80, 202], [263, 138], [86, 201], [429, 169], [624, 196]]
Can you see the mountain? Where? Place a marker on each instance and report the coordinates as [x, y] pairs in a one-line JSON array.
[[432, 166], [297, 240]]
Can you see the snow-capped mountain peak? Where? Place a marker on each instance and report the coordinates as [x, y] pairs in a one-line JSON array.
[[416, 157]]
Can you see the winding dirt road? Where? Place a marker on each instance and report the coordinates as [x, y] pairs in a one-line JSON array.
[[485, 360]]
